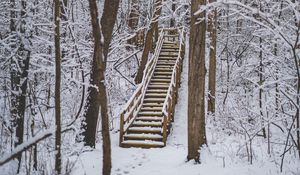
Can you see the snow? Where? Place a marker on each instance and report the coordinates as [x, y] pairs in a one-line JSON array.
[[222, 157]]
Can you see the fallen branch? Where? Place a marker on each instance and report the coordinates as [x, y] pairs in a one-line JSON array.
[[26, 145]]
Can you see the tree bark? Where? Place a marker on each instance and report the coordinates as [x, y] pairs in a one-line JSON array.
[[196, 83], [19, 75], [108, 20], [97, 95], [173, 7], [212, 29], [149, 41], [133, 20], [57, 16]]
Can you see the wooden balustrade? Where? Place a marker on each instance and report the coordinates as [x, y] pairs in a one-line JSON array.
[[172, 94], [135, 103]]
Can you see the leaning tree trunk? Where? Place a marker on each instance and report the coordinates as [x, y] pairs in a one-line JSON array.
[[196, 85], [149, 41], [108, 20], [212, 29], [57, 88], [97, 95]]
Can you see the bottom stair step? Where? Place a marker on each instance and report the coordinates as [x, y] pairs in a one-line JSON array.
[[143, 137], [142, 144]]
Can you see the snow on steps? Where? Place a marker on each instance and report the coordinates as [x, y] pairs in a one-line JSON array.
[[142, 144], [146, 131], [143, 137]]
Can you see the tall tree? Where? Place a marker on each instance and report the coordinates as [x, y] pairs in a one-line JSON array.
[[149, 40], [133, 19], [196, 82], [19, 72], [97, 95], [212, 60], [108, 20], [57, 87]]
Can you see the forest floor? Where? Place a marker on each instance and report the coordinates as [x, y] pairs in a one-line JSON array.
[[225, 155]]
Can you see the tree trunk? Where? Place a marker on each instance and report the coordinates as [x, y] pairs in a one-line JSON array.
[[19, 75], [97, 96], [108, 20], [148, 41], [260, 89], [212, 29], [196, 85], [58, 161], [133, 20]]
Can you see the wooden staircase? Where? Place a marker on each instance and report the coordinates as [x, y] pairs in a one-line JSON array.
[[146, 120]]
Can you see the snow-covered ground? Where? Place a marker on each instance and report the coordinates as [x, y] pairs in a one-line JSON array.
[[225, 155]]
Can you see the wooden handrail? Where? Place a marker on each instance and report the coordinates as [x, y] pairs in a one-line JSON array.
[[135, 103], [169, 103]]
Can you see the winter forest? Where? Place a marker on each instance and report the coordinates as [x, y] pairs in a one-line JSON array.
[[150, 87]]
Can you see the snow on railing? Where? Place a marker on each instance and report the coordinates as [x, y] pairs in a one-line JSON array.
[[169, 98], [133, 106]]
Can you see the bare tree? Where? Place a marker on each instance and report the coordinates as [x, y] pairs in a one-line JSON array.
[[196, 82], [97, 95], [212, 29], [19, 73], [57, 87], [149, 41]]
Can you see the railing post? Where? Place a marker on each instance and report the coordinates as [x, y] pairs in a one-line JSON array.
[[165, 129], [170, 112], [121, 129]]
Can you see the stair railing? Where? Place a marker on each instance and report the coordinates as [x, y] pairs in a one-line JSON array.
[[172, 94], [134, 104]]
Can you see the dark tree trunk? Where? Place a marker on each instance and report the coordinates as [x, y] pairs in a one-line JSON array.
[[108, 21], [196, 85], [58, 161], [149, 41], [19, 75], [97, 96], [133, 20], [172, 21]]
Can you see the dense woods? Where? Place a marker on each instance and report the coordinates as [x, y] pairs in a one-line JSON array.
[[68, 68]]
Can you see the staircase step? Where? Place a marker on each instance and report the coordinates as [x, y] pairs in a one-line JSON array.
[[166, 77], [145, 104], [154, 100], [150, 113], [146, 123], [168, 50], [160, 91], [156, 137], [164, 62], [162, 73], [169, 66], [148, 118], [165, 87], [168, 47], [142, 144], [145, 129], [154, 109], [168, 59], [170, 35], [170, 42], [168, 55], [157, 80], [153, 95], [163, 70]]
